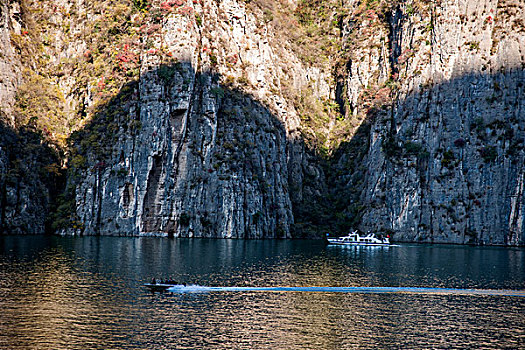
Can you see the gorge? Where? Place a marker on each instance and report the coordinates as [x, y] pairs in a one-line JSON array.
[[264, 119]]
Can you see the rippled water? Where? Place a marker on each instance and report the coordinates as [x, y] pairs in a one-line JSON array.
[[87, 293]]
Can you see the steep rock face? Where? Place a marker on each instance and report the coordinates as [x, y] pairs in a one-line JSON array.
[[208, 159], [29, 180], [203, 165], [265, 119], [29, 170], [445, 157], [10, 15]]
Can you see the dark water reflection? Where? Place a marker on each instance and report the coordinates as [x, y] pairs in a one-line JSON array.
[[86, 293]]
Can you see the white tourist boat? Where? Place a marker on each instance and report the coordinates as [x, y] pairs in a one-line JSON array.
[[355, 238]]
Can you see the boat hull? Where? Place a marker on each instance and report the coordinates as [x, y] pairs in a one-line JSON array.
[[158, 287], [359, 244]]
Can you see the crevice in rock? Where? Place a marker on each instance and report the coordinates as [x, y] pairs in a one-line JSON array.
[[340, 97], [395, 20], [150, 220], [127, 196]]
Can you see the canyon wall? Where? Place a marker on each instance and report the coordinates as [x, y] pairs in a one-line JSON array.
[[30, 176], [269, 119], [201, 145], [445, 155]]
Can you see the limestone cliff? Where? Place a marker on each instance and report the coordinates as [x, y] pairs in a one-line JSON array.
[[445, 149], [30, 171], [202, 145], [270, 119]]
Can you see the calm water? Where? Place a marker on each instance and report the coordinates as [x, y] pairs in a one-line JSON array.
[[87, 293]]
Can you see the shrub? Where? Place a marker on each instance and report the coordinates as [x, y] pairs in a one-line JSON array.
[[205, 222], [256, 217], [448, 159], [41, 104], [267, 15], [413, 147], [460, 142], [243, 81], [218, 92], [390, 146], [472, 45], [184, 219], [489, 154], [213, 60], [478, 124], [198, 19], [166, 73]]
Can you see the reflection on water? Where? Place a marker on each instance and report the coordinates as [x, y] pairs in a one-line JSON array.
[[87, 293]]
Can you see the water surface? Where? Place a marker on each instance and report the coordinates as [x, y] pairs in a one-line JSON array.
[[87, 293]]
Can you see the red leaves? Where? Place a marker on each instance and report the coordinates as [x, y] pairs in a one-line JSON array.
[[150, 29], [405, 56], [232, 59], [126, 58], [371, 14], [168, 6], [186, 10], [101, 83], [153, 29]]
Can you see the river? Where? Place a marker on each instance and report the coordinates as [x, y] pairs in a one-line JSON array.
[[88, 293]]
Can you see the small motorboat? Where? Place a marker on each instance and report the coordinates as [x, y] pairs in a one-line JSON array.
[[158, 287], [161, 286], [354, 238]]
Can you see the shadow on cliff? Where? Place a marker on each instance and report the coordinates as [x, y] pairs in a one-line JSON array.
[[239, 138], [443, 164], [31, 178], [334, 200]]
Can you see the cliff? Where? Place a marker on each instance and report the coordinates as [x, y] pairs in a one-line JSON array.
[[445, 148], [268, 119], [30, 168]]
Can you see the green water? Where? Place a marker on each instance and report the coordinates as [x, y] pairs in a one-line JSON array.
[[87, 293]]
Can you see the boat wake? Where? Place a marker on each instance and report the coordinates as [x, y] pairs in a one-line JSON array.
[[367, 290]]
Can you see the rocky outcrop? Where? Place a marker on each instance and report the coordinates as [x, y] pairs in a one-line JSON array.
[[10, 17], [30, 180], [270, 119], [209, 163], [445, 156], [29, 169], [214, 149]]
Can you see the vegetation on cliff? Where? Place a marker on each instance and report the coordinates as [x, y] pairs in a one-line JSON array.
[[363, 62]]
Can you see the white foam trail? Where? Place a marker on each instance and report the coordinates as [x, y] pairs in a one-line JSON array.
[[374, 290]]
